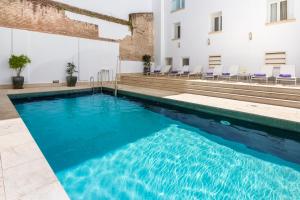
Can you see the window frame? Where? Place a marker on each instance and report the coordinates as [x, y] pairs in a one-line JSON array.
[[278, 17], [169, 59], [186, 58], [177, 33], [216, 18], [177, 5]]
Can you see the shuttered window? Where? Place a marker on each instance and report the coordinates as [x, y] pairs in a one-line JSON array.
[[278, 10]]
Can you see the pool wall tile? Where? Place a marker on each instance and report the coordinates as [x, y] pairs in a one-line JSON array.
[[262, 120]]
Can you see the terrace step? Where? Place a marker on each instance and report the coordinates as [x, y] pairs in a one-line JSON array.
[[256, 87], [288, 97]]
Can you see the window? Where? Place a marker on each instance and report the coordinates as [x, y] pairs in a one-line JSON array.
[[278, 10], [177, 31], [283, 10], [216, 22], [185, 61], [178, 4], [214, 60], [169, 61]]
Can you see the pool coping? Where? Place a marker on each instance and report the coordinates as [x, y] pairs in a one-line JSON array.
[[21, 158]]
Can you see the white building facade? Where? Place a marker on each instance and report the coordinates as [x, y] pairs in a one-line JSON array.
[[245, 33]]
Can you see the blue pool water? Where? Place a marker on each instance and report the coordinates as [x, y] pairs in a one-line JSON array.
[[103, 147]]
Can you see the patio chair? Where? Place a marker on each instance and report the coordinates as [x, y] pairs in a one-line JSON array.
[[165, 70], [184, 70], [196, 71], [287, 73], [175, 71], [233, 71], [265, 73], [157, 70], [214, 72]]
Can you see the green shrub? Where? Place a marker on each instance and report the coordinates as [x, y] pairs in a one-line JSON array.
[[18, 63], [147, 60], [71, 69]]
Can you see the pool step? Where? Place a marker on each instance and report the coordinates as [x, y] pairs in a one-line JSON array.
[[281, 96]]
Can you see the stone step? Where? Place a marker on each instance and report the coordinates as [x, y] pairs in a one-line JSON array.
[[246, 86], [181, 86], [267, 95], [255, 99]]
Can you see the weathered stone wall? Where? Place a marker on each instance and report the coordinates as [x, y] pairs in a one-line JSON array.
[[141, 41], [42, 17]]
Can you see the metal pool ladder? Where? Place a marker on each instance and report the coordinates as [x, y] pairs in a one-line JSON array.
[[102, 76], [92, 84]]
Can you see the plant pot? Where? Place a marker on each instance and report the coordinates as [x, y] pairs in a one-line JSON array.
[[146, 70], [18, 82], [71, 81]]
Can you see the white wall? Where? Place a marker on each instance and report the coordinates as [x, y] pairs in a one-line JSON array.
[[116, 8], [50, 53], [239, 18], [159, 28]]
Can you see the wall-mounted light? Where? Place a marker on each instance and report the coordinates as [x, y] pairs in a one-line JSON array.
[[208, 41], [250, 36]]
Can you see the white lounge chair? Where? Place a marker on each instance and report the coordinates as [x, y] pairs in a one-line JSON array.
[[214, 72], [287, 73], [156, 70], [164, 70], [233, 71], [184, 70], [175, 71], [196, 71], [265, 73]]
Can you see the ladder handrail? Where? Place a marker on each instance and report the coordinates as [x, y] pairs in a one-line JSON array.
[[92, 83]]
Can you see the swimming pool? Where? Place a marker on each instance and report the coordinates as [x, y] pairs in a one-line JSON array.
[[105, 147]]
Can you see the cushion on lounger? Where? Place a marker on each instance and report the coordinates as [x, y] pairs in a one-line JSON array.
[[226, 74], [260, 75], [209, 73], [156, 71], [186, 72], [285, 75], [174, 72]]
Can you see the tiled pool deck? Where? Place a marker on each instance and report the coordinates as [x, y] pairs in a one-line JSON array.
[[25, 173]]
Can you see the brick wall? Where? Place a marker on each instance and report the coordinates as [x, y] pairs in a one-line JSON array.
[[141, 41], [41, 17]]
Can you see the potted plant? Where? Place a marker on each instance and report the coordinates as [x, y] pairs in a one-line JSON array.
[[147, 64], [18, 63], [71, 80]]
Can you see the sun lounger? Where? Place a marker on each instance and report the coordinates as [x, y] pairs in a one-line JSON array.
[[233, 71], [156, 70], [196, 71], [214, 72], [287, 73], [175, 71], [265, 73], [164, 70]]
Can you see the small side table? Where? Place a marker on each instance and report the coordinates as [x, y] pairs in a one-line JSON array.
[[244, 76]]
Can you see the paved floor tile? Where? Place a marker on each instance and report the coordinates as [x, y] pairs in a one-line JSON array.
[[20, 154], [25, 179], [50, 192]]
